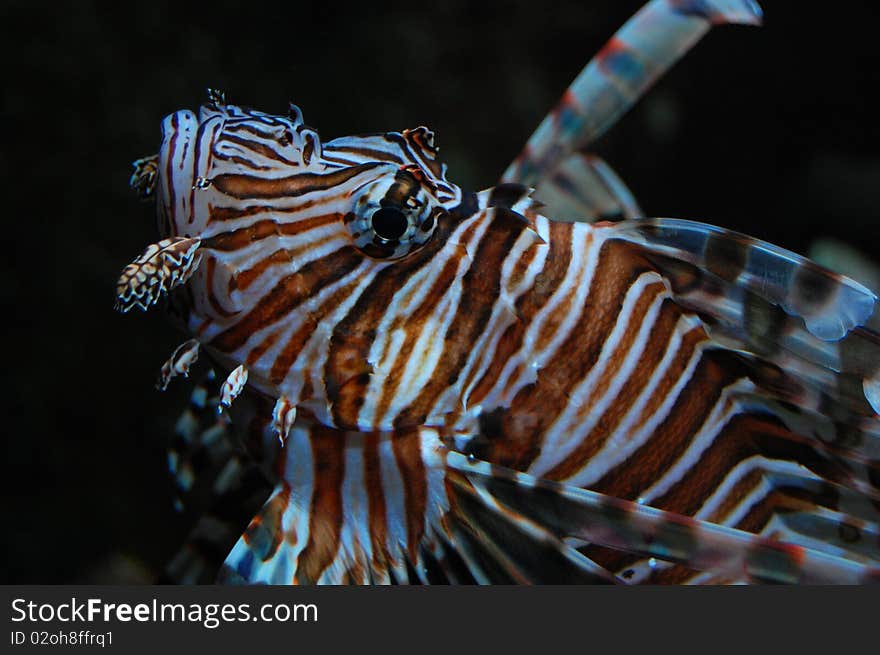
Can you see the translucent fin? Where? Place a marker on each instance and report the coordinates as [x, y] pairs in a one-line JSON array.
[[806, 341], [585, 188], [819, 327], [621, 525], [215, 479], [238, 491], [201, 444], [510, 547], [356, 508], [635, 57]]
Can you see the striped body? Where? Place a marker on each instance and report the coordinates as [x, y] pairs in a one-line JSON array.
[[440, 364]]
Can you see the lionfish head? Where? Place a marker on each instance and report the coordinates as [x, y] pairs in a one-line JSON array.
[[384, 192], [300, 263]]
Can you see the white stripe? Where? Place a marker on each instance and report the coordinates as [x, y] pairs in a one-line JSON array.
[[568, 430], [625, 440], [720, 415], [395, 508]]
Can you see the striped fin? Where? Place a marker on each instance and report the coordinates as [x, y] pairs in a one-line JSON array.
[[584, 188], [201, 444], [215, 479], [238, 490], [339, 516], [340, 512], [635, 57], [373, 508], [807, 340], [820, 326], [726, 553]]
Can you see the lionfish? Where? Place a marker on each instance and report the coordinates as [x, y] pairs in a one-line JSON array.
[[435, 385]]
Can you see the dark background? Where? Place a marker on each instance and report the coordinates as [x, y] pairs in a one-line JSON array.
[[770, 131]]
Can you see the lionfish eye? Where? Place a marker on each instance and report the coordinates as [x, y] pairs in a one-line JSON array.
[[389, 223], [393, 216]]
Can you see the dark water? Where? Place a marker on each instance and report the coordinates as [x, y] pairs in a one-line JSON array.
[[773, 132]]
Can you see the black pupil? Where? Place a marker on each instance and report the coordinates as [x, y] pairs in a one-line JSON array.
[[389, 223]]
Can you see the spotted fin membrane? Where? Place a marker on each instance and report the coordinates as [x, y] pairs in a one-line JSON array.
[[217, 481]]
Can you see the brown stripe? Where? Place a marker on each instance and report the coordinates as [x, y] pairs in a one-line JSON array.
[[415, 153], [481, 286], [620, 352], [347, 366], [744, 436], [250, 186], [223, 213], [197, 154], [290, 292], [370, 154], [734, 443], [243, 237], [325, 513], [408, 455], [286, 358], [737, 493], [260, 349], [280, 257], [414, 326], [775, 502], [671, 439], [537, 405], [219, 214], [248, 125], [247, 277], [210, 271], [528, 305], [241, 161], [674, 371], [169, 174], [259, 148], [651, 356]]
